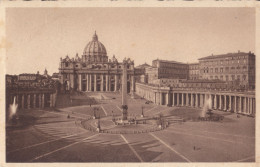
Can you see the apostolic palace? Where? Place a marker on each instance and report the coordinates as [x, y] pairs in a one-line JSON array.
[[228, 80]]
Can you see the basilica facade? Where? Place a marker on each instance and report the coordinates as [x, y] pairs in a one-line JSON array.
[[94, 71]]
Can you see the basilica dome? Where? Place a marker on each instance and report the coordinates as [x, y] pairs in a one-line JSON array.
[[95, 51]]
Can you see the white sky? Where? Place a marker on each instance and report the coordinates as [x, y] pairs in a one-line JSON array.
[[40, 36]]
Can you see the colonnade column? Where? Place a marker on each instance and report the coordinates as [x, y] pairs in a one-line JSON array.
[[132, 83], [28, 101], [40, 100], [240, 104], [116, 81], [43, 101], [215, 101], [235, 104], [220, 102], [182, 99], [34, 101], [196, 100], [102, 83], [191, 100], [245, 101], [80, 81], [225, 102], [230, 103], [107, 82], [22, 102], [187, 99], [173, 99], [51, 100], [178, 99]]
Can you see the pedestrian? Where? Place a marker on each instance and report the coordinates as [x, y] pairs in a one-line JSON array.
[[194, 147]]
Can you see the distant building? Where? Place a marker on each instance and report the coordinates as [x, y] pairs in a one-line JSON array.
[[194, 71], [232, 67]]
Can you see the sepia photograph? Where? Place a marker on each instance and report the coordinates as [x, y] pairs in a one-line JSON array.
[[130, 84]]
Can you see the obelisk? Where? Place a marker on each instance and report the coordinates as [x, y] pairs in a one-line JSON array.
[[124, 90]]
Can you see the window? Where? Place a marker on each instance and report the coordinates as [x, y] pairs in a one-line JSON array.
[[226, 77], [227, 69], [216, 70], [244, 77], [211, 70], [238, 77], [221, 70], [233, 77], [66, 64]]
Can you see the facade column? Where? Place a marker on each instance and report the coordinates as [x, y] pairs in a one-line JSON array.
[[87, 84], [22, 101], [80, 81], [116, 82], [90, 82], [34, 101], [106, 82], [95, 82], [102, 83], [178, 99], [43, 101], [182, 99], [167, 99], [250, 106], [161, 99], [28, 101]]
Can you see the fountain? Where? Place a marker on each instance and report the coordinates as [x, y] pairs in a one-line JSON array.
[[12, 112], [207, 114]]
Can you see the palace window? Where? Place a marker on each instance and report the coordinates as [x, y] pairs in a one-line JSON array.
[[226, 69], [238, 77], [226, 77], [233, 77], [221, 70], [66, 64], [244, 77]]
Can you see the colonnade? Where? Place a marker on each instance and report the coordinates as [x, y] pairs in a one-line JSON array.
[[33, 100], [238, 102]]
